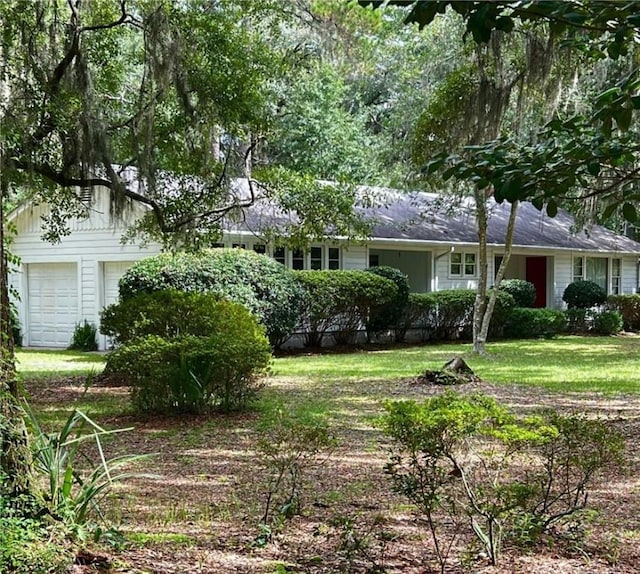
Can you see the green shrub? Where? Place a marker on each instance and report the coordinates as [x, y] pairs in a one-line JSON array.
[[529, 323], [454, 313], [578, 320], [30, 545], [629, 308], [607, 323], [221, 370], [467, 460], [523, 292], [505, 303], [261, 284], [583, 295], [340, 302], [387, 317], [167, 314], [419, 313], [84, 337]]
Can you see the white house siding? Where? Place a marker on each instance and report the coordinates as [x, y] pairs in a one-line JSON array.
[[629, 274], [355, 257], [415, 264], [93, 243]]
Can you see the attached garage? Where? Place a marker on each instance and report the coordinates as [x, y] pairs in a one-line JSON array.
[[112, 271], [52, 303]]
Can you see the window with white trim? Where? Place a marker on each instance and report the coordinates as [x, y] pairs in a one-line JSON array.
[[315, 258], [334, 258], [297, 259], [591, 269], [616, 276], [462, 264], [280, 255]]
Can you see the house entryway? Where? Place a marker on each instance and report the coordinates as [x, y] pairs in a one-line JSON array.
[[536, 273]]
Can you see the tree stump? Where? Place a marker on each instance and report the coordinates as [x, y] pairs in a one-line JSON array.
[[454, 372]]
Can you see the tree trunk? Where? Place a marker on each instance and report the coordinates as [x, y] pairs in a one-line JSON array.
[[480, 305], [488, 312], [15, 455]]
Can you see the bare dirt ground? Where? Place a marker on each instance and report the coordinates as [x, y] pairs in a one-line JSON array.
[[199, 510]]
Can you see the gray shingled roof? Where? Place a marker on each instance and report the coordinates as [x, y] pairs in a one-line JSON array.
[[423, 217], [420, 216]]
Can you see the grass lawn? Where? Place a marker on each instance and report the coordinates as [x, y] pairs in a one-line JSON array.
[[201, 511]]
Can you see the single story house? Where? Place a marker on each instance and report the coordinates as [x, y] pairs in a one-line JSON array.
[[61, 285]]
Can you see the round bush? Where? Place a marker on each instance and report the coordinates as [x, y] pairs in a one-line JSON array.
[[167, 314], [528, 323], [523, 292], [608, 323], [264, 286], [388, 316], [187, 373], [583, 295]]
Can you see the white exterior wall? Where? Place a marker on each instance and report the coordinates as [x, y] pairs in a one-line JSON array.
[[630, 278], [355, 257], [92, 242]]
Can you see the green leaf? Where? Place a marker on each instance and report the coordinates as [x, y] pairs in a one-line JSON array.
[[623, 118], [593, 167], [538, 202], [552, 208], [629, 212]]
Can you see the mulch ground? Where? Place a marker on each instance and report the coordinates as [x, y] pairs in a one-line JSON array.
[[198, 509]]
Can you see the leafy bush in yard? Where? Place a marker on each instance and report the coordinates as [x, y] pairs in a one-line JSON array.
[[454, 313], [167, 314], [607, 323], [578, 320], [505, 303], [583, 295], [523, 292], [629, 307], [340, 302], [387, 317], [84, 337], [219, 370], [419, 313], [467, 457], [31, 545], [261, 284], [529, 323]]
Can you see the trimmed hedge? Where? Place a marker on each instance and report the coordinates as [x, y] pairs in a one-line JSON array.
[[608, 323], [261, 284], [529, 323], [216, 366], [340, 302], [167, 314], [419, 313], [583, 295], [387, 317], [523, 292], [629, 307], [448, 315]]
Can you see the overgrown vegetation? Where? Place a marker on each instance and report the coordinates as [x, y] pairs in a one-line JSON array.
[[467, 459], [175, 365], [264, 286], [84, 337]]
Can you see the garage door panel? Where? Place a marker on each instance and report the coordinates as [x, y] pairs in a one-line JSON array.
[[113, 270], [52, 303]]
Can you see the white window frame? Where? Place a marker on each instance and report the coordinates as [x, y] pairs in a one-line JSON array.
[[463, 255], [582, 260], [615, 281]]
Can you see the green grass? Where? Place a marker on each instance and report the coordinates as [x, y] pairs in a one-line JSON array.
[[577, 364], [33, 364]]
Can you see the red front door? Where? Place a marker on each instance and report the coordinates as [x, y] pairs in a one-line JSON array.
[[537, 274]]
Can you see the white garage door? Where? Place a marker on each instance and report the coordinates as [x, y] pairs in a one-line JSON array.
[[52, 303], [112, 273]]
